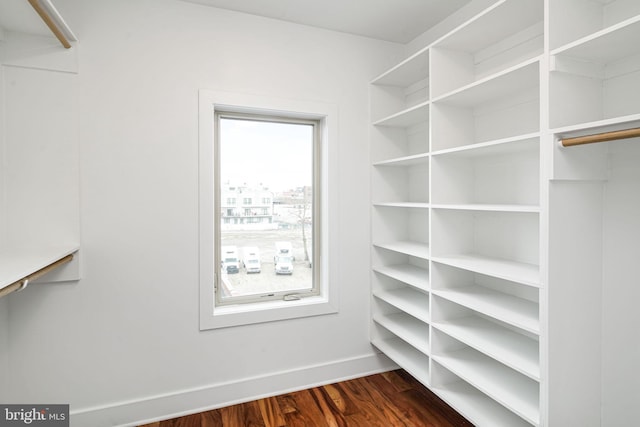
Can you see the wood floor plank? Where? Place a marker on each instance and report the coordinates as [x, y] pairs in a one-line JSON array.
[[305, 413], [332, 416], [186, 421], [336, 397], [399, 404], [425, 398], [210, 419], [341, 399], [376, 412], [271, 413], [398, 381], [390, 399]]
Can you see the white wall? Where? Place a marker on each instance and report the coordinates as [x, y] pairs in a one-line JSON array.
[[2, 150], [621, 286], [4, 354], [123, 343], [4, 307]]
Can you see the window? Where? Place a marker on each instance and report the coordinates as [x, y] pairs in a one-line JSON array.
[[273, 262], [279, 157]]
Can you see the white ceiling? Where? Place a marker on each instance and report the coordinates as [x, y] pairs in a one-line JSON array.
[[393, 20]]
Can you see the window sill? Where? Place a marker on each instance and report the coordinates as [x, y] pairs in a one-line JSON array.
[[268, 311]]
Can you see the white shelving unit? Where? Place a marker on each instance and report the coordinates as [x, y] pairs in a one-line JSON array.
[[515, 246], [456, 212]]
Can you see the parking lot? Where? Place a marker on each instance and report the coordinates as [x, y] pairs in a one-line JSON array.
[[267, 280]]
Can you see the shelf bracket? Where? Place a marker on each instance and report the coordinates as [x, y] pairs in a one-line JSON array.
[[22, 283]]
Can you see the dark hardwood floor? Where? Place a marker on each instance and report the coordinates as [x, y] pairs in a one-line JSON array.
[[383, 400]]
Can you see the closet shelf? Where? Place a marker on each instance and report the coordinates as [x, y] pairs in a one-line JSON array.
[[511, 348], [415, 159], [512, 310], [405, 355], [489, 207], [607, 45], [407, 247], [412, 69], [477, 407], [514, 144], [526, 274], [408, 328], [19, 263], [494, 24], [606, 125], [418, 205], [509, 388], [407, 117], [406, 273], [500, 85], [410, 301]]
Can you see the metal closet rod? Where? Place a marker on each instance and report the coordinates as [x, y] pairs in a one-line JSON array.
[[22, 283], [600, 137], [51, 23]]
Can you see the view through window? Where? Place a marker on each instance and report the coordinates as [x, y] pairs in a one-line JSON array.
[[266, 218]]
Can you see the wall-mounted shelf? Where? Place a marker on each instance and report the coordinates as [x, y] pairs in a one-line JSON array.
[[412, 275], [408, 328], [19, 264], [515, 350], [408, 247], [511, 310], [407, 300], [507, 387], [475, 405], [411, 359]]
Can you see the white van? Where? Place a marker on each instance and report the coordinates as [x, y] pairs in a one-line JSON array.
[[229, 259], [283, 259], [251, 259]]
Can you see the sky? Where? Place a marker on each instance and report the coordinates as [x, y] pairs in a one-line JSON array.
[[278, 155]]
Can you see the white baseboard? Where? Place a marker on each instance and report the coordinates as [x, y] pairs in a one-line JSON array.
[[183, 402]]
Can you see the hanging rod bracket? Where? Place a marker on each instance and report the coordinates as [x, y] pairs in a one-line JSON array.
[[25, 282]]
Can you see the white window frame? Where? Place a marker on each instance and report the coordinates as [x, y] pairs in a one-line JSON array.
[[212, 316]]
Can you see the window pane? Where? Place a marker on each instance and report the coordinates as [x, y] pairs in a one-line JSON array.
[[266, 213]]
